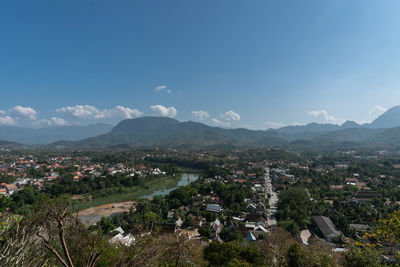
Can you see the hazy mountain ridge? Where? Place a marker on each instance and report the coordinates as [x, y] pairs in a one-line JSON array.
[[46, 135], [8, 144], [168, 132]]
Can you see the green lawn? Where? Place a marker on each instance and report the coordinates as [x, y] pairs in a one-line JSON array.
[[147, 188]]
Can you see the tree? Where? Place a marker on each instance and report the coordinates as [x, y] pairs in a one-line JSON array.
[[228, 234], [361, 257], [229, 254], [18, 245], [389, 228], [294, 204], [296, 256], [57, 224], [205, 230]]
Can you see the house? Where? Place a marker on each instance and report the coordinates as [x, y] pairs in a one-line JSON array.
[[120, 238], [251, 208], [365, 196], [126, 240], [336, 187], [182, 210], [119, 230], [250, 237], [260, 208], [190, 234], [178, 223], [351, 180], [326, 227], [214, 208], [259, 230], [170, 214], [254, 217], [360, 228], [197, 220], [217, 226], [232, 224], [10, 188], [215, 237]]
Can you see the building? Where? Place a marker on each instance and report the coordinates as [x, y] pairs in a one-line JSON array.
[[326, 228], [214, 208], [365, 196]]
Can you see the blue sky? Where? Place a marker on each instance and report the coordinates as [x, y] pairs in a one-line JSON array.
[[255, 64]]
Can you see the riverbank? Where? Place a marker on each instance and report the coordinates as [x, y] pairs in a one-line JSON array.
[[137, 192], [93, 215]]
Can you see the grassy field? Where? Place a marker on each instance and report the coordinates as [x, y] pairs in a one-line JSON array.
[[137, 192]]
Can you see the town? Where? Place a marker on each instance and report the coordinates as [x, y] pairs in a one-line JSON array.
[[331, 202]]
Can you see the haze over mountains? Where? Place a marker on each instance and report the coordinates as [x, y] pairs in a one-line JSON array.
[[47, 135], [384, 132]]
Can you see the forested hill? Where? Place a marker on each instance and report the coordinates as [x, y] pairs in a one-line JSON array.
[[167, 132], [46, 135]]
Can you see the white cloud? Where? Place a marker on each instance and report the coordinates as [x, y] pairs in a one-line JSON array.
[[377, 110], [161, 88], [200, 114], [2, 112], [323, 116], [274, 125], [53, 121], [79, 111], [23, 112], [231, 116], [164, 111], [277, 125], [91, 112], [219, 123], [119, 111], [7, 120]]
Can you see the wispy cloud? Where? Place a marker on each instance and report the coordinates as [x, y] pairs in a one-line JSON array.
[[162, 88], [377, 110], [274, 125], [12, 115], [53, 121], [91, 112], [23, 112], [119, 112], [219, 123], [200, 114], [164, 111], [230, 116], [7, 120], [323, 116], [79, 111]]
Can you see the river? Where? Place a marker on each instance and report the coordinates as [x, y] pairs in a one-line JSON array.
[[182, 182]]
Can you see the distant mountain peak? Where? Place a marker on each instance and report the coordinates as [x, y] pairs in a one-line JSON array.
[[389, 119], [311, 127], [349, 124], [143, 125]]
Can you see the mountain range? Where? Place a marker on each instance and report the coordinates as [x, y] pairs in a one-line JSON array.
[[47, 135], [382, 133]]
